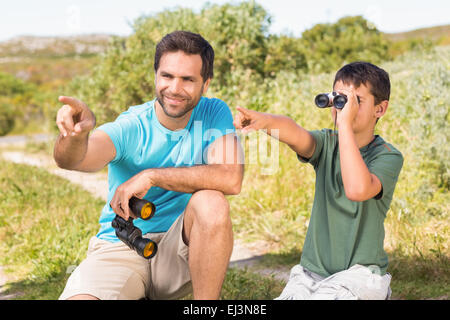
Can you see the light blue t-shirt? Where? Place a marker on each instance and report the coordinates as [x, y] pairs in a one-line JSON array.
[[142, 142]]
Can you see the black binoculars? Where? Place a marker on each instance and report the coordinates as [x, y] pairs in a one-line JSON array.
[[325, 100], [131, 235]]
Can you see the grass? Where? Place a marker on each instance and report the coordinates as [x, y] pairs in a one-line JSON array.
[[38, 248], [45, 225]]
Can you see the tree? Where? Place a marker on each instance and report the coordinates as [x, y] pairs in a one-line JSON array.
[[125, 75], [329, 46]]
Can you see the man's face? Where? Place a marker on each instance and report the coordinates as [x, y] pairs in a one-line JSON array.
[[366, 117], [179, 84]]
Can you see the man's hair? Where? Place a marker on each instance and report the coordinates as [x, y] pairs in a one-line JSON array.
[[364, 72], [189, 43]]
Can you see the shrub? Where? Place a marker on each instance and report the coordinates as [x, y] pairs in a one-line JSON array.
[[329, 46], [16, 101], [125, 74], [7, 119]]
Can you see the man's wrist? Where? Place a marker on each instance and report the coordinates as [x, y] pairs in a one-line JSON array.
[[75, 137], [150, 177]]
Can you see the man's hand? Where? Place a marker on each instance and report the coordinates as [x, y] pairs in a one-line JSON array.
[[249, 120], [74, 118], [137, 186]]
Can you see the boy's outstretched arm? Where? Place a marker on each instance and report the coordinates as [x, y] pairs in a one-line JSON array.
[[280, 127]]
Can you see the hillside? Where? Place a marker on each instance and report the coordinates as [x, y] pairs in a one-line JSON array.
[[82, 45], [432, 33], [32, 46]]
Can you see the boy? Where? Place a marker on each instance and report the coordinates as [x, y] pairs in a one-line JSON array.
[[356, 173]]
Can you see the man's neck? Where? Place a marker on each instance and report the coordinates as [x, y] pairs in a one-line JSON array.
[[173, 124]]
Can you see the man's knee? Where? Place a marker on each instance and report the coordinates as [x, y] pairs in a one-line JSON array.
[[211, 209]]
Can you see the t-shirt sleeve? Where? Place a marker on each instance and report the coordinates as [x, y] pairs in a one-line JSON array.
[[386, 166], [123, 133], [220, 121], [320, 137]]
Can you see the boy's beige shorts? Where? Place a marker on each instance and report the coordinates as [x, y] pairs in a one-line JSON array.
[[114, 271]]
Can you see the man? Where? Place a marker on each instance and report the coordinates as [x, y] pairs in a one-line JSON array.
[[356, 174], [178, 151]]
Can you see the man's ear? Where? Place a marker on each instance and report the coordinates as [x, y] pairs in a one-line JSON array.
[[381, 108], [206, 85]]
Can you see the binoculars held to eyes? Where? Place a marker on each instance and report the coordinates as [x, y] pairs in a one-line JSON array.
[[325, 100], [333, 99], [131, 235]]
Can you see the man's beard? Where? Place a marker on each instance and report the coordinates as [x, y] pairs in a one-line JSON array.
[[190, 104]]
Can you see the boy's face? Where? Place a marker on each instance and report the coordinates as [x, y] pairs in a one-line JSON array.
[[366, 114]]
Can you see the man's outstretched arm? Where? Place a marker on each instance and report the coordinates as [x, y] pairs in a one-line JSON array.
[[74, 148]]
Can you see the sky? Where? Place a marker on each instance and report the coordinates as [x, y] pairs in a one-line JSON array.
[[71, 17]]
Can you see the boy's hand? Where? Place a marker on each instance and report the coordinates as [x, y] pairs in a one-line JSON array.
[[347, 115], [74, 117], [249, 120]]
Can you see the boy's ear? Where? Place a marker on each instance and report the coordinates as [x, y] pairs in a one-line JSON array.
[[381, 108]]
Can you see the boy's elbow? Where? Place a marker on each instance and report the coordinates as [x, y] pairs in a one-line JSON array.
[[353, 197], [356, 194]]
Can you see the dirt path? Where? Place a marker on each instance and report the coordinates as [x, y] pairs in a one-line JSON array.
[[243, 256]]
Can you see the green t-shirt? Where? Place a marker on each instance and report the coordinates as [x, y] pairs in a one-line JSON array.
[[341, 232]]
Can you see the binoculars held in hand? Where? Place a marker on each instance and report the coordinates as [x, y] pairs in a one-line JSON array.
[[130, 234], [325, 100], [333, 99]]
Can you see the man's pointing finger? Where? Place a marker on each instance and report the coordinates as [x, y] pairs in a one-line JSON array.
[[75, 103]]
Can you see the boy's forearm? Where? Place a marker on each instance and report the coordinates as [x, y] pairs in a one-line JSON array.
[[356, 177], [226, 178], [289, 132]]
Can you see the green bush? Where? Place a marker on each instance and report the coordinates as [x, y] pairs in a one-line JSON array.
[[7, 119], [246, 55], [329, 46], [284, 53], [16, 101], [125, 74]]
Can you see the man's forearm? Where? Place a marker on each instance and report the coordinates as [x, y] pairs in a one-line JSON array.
[[226, 178], [70, 151]]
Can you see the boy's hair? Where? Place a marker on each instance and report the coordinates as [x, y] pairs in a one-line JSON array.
[[365, 72], [189, 43]]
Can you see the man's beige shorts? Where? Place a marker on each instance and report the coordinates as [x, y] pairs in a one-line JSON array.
[[114, 271]]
